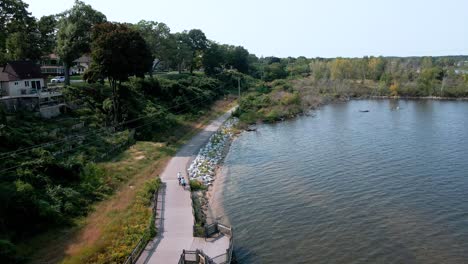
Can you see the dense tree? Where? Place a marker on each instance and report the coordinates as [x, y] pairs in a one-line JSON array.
[[159, 39], [74, 34], [428, 79], [18, 32], [274, 71], [300, 67], [197, 42], [319, 69], [214, 59], [341, 69], [118, 52], [183, 52], [47, 27], [270, 60], [23, 45], [376, 68], [238, 58]]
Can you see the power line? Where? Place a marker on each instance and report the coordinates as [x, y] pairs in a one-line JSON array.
[[51, 143], [77, 137], [14, 167]]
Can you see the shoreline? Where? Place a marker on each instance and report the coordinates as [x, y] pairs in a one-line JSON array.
[[414, 98], [214, 195], [177, 232], [206, 169]]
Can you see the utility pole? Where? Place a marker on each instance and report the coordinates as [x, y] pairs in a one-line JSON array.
[[239, 88]]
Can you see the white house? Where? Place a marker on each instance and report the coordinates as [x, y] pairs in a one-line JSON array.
[[20, 78], [81, 64], [52, 65]]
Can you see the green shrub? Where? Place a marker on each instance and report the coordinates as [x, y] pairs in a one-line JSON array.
[[199, 215], [8, 252], [198, 231], [248, 117], [196, 186], [290, 99], [284, 85], [272, 116], [263, 89]]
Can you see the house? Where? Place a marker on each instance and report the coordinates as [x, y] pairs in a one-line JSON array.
[[52, 65], [81, 64], [20, 78], [22, 88]]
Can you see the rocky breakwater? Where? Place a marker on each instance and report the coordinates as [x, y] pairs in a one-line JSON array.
[[202, 170], [203, 167]]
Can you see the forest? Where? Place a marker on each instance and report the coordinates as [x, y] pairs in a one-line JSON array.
[[145, 83]]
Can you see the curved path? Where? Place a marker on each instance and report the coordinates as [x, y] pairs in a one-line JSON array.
[[175, 216]]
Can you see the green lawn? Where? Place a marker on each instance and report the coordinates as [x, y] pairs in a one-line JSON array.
[[76, 77]]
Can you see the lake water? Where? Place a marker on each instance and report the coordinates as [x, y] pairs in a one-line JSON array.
[[388, 186]]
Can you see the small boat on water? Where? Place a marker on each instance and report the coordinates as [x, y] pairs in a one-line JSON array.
[[364, 111]]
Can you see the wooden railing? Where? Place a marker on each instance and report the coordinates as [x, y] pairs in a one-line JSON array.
[[136, 252], [224, 229], [187, 257], [194, 257]]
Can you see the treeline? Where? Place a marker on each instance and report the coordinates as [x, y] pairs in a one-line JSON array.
[[69, 34], [144, 83], [22, 36], [445, 76], [290, 86]]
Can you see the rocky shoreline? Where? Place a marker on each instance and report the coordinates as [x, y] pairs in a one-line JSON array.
[[205, 168], [417, 98]]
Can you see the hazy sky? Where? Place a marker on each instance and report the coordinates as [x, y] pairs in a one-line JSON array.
[[325, 28]]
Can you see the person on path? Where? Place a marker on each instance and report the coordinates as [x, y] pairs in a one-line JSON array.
[[179, 177], [183, 183]]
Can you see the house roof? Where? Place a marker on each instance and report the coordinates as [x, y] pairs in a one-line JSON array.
[[6, 77], [19, 70], [51, 56], [3, 75], [83, 59]]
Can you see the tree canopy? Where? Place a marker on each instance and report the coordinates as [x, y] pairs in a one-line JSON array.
[[19, 38], [159, 39], [74, 34], [118, 52]]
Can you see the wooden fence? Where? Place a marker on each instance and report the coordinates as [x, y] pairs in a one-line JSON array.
[[136, 252], [191, 257], [194, 257]]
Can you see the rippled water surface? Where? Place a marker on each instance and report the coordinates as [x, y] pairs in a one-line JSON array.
[[388, 186]]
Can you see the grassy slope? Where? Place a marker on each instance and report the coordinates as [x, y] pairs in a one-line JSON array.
[[113, 229]]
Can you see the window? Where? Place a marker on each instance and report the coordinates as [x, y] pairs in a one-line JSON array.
[[33, 83], [26, 83], [16, 83], [38, 85]]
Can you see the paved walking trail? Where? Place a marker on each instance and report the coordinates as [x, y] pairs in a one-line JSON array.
[[175, 209]]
